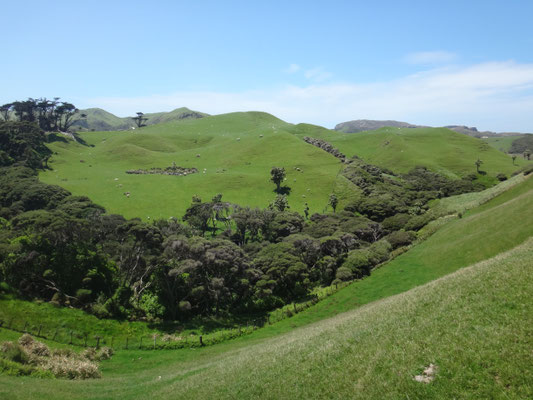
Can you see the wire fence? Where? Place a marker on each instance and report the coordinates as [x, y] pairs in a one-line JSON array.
[[159, 341]]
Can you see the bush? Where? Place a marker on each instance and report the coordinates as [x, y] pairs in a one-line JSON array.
[[357, 263], [379, 252], [501, 177], [396, 222], [401, 238], [343, 274], [14, 352]]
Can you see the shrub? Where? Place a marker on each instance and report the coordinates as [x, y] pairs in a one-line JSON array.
[[396, 222], [501, 177], [379, 252], [357, 263], [343, 274], [401, 238], [15, 352]]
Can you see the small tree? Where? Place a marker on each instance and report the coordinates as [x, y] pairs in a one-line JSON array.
[[280, 203], [514, 158], [277, 175], [478, 164], [140, 119], [333, 201]]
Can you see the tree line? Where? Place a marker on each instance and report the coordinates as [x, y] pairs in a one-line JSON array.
[[219, 259], [50, 115]]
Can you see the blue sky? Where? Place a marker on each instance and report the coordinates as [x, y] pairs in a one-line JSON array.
[[426, 62]]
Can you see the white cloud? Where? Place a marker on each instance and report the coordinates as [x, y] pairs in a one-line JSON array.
[[291, 69], [430, 57], [317, 74], [495, 96]]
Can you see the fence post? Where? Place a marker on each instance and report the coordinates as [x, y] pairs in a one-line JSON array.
[[70, 338], [25, 326], [97, 342], [127, 338], [201, 341], [85, 342], [55, 334], [141, 343], [39, 332]]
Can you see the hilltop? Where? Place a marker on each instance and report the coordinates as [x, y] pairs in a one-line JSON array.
[[362, 125], [101, 120]]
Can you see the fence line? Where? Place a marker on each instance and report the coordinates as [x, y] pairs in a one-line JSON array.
[[161, 341]]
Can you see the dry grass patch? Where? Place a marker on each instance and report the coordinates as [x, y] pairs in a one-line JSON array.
[[30, 357]]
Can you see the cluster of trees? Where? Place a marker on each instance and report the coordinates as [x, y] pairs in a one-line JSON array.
[[386, 194], [219, 259], [50, 115]]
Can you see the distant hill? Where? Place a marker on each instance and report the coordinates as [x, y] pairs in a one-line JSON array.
[[101, 120], [361, 125]]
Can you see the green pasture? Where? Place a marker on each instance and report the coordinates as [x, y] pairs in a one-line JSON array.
[[233, 154], [400, 149]]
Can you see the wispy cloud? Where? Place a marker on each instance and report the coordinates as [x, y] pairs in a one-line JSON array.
[[430, 57], [317, 74], [496, 96], [292, 69]]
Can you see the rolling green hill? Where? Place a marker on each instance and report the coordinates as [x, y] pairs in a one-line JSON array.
[[100, 120], [474, 325], [400, 149], [232, 152], [501, 143]]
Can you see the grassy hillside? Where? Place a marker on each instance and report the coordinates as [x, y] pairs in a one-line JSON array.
[[100, 120], [475, 326], [400, 149], [497, 221], [233, 153], [501, 143]]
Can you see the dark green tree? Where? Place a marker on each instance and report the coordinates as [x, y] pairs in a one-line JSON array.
[[478, 164], [277, 174], [140, 119], [333, 201]]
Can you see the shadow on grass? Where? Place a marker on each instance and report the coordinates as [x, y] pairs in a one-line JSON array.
[[286, 190]]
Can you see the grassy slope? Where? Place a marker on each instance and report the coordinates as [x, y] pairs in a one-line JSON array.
[[400, 149], [502, 143], [162, 117], [237, 162], [497, 225], [476, 325], [98, 119]]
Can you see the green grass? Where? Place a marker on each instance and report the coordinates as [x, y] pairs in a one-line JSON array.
[[501, 143], [501, 220], [236, 150], [476, 325], [400, 149]]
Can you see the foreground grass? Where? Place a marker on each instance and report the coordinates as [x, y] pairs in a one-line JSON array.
[[476, 325]]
